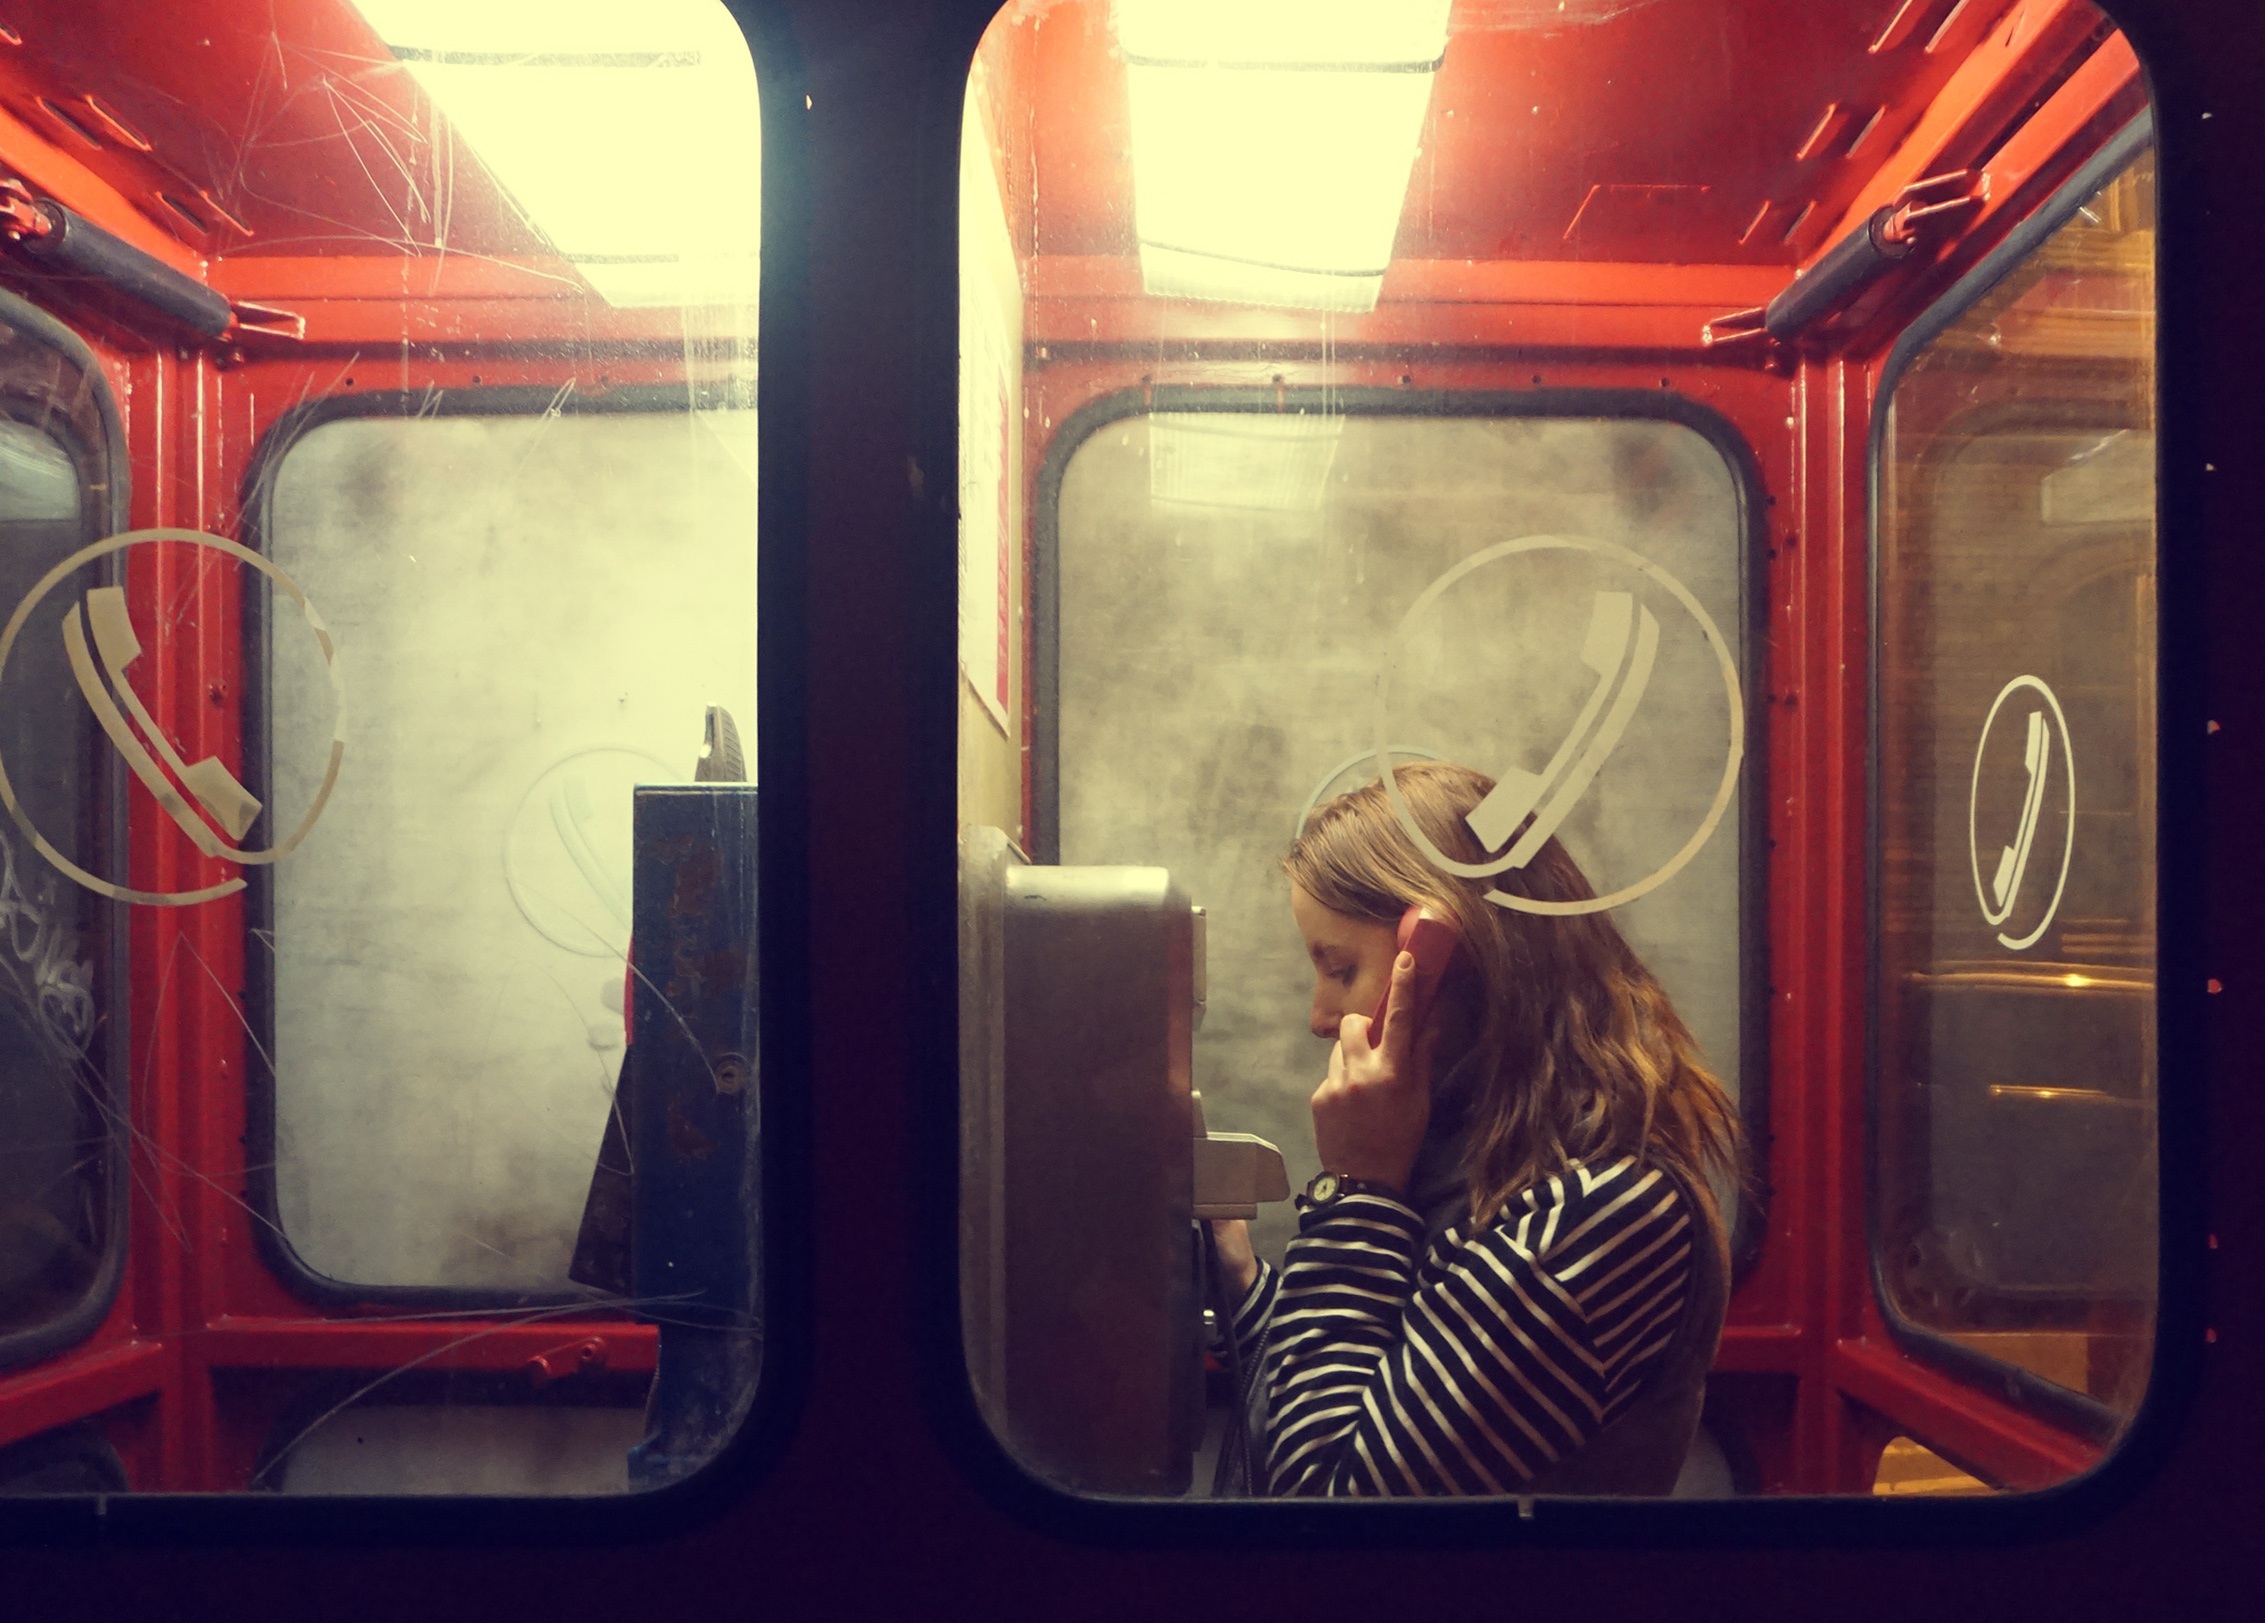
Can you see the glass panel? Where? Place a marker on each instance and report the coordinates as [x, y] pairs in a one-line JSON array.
[[391, 753], [2016, 1175], [1248, 583], [1907, 1467], [460, 1447], [62, 1122], [521, 83], [1392, 439], [74, 1459], [1198, 737], [448, 955]]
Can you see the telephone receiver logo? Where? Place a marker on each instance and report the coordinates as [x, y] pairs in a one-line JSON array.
[[2000, 893], [1616, 621], [225, 801], [571, 816], [2013, 860]]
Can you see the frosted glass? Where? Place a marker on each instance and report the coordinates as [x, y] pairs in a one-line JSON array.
[[532, 615], [1195, 731]]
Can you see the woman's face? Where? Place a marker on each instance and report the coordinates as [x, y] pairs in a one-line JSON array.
[[1352, 961]]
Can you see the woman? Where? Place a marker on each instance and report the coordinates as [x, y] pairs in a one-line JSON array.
[[1510, 1276]]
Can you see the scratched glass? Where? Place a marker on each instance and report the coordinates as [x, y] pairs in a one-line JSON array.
[[1349, 386], [1216, 555], [2015, 1176], [377, 908]]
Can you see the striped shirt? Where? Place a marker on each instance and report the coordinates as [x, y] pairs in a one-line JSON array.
[[1470, 1366]]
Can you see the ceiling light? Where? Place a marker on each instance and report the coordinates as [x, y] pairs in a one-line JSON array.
[[1272, 142], [628, 136]]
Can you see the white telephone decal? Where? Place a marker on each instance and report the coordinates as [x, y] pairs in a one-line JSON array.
[[226, 801], [571, 814], [2013, 860], [211, 790], [1621, 646], [1551, 794]]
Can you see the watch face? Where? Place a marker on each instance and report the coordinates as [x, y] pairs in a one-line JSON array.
[[1325, 1187]]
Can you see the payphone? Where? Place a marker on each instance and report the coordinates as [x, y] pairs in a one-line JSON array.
[[1085, 1165]]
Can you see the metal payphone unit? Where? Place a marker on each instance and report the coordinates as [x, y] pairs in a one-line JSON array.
[[1084, 1165]]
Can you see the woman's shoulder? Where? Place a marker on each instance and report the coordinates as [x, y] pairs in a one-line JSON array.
[[1573, 1221]]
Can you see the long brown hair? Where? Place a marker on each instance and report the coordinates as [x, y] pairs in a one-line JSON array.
[[1583, 1057]]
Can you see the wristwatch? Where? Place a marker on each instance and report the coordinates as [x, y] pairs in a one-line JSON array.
[[1328, 1188]]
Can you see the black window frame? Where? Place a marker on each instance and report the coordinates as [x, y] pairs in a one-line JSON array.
[[2087, 1416]]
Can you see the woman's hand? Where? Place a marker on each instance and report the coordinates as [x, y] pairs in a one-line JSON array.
[[1231, 1236], [1369, 1115]]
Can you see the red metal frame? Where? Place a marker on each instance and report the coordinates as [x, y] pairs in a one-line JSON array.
[[1819, 1384]]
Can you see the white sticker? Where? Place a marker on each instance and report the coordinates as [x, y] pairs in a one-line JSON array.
[[100, 641], [2012, 866], [1621, 648]]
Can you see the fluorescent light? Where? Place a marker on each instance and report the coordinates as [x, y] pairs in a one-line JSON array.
[[1364, 33], [1272, 142], [627, 135], [1263, 460]]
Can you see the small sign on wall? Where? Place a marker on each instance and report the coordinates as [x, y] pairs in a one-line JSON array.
[[990, 392]]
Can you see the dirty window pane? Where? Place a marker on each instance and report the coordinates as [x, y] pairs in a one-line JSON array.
[[392, 1446], [2016, 1176], [1194, 734], [62, 1127], [1230, 573], [448, 957], [520, 85], [1567, 601]]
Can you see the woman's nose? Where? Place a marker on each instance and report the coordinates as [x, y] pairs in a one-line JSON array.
[[1323, 1021]]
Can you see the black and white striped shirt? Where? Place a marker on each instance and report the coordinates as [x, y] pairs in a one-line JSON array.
[[1470, 1367]]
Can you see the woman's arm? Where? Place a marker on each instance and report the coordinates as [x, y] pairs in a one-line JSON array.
[[1250, 1284], [1238, 1262], [1471, 1370]]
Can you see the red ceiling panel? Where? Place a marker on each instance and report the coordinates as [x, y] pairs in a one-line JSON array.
[[1627, 131], [1669, 131], [278, 127]]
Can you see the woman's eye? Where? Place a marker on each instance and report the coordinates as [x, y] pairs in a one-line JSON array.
[[1343, 977]]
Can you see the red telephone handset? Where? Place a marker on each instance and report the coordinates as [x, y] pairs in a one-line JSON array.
[[1432, 940]]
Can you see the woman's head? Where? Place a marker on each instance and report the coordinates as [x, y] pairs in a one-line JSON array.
[[1581, 1057]]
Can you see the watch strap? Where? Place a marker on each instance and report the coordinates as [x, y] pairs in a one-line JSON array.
[[1328, 1188]]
